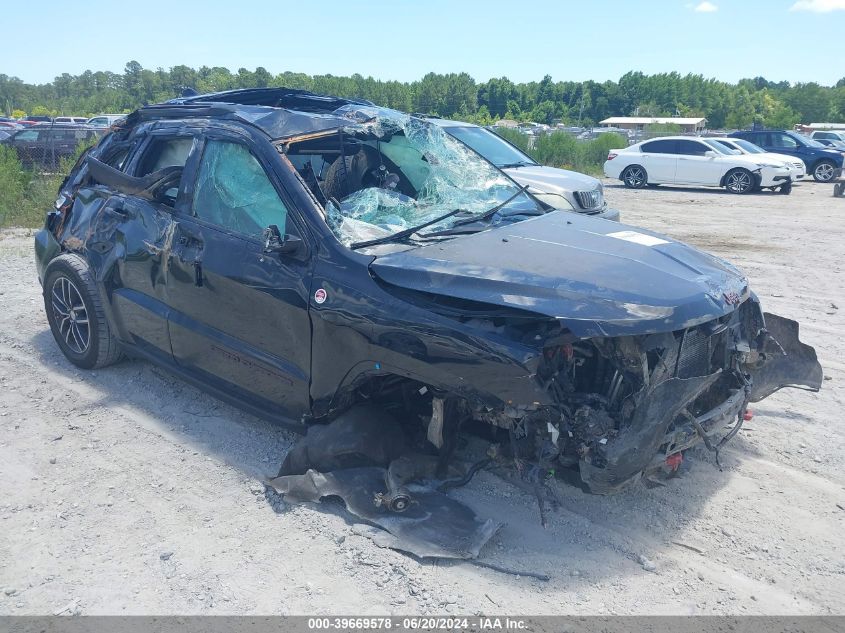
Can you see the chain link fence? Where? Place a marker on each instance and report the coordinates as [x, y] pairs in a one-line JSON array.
[[33, 162], [42, 147]]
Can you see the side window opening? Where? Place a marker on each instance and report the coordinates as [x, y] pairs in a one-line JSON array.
[[234, 192], [692, 148], [163, 152], [666, 146], [332, 169]]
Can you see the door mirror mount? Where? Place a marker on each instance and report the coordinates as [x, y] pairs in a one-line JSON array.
[[711, 153], [275, 242]]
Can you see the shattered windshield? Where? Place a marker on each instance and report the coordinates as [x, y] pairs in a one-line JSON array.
[[493, 147], [380, 178]]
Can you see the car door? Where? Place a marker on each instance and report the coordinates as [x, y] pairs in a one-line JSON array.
[[694, 167], [239, 315], [660, 159], [783, 144], [143, 231]]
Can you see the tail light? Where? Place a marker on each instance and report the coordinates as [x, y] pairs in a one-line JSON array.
[[611, 155]]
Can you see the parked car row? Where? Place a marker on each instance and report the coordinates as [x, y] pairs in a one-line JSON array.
[[742, 162], [44, 145], [823, 163], [101, 120]]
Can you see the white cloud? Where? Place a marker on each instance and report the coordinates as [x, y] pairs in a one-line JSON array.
[[706, 7], [818, 6]]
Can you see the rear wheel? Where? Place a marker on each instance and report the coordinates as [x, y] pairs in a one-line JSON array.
[[739, 181], [824, 171], [76, 314], [635, 177]]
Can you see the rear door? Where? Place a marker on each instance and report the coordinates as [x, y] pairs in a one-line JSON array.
[[144, 233], [660, 159], [694, 167], [239, 315], [783, 144]]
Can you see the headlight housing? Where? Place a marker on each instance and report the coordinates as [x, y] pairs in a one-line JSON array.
[[555, 200]]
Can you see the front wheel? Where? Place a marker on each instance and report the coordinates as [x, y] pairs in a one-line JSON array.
[[76, 315], [739, 181], [635, 177], [824, 171]]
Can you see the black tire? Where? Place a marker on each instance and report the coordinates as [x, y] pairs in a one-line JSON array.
[[634, 177], [824, 171], [740, 181], [76, 315], [786, 188]]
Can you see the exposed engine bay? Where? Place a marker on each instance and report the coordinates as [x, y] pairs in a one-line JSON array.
[[623, 408]]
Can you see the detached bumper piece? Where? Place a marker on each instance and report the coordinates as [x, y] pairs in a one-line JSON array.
[[431, 525], [361, 457]]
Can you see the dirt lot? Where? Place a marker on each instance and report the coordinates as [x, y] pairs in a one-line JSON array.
[[125, 491]]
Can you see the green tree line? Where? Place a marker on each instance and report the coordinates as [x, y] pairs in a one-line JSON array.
[[456, 95]]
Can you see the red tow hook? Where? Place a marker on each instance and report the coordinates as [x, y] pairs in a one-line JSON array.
[[674, 461], [747, 415]]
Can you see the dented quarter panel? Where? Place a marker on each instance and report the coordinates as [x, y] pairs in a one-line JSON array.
[[127, 251]]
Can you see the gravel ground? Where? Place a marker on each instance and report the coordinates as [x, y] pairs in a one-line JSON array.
[[125, 491]]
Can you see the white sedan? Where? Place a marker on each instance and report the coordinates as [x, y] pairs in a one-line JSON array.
[[796, 166], [684, 160]]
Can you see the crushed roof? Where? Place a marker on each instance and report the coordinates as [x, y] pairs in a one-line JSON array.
[[278, 112]]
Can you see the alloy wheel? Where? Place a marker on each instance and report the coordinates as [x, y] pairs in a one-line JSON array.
[[634, 177], [739, 182], [70, 315], [824, 172]]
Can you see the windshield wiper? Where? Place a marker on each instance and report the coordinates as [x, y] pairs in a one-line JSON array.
[[489, 214], [405, 232], [519, 164]]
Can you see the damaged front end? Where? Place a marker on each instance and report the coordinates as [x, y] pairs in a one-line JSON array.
[[629, 406]]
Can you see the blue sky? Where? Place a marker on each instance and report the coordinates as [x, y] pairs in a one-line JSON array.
[[800, 40]]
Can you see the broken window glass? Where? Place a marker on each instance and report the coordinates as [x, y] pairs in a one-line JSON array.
[[233, 191], [394, 173]]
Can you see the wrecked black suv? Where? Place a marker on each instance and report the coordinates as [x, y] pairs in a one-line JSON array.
[[299, 254]]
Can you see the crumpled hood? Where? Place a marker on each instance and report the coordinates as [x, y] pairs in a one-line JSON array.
[[552, 179], [601, 278]]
